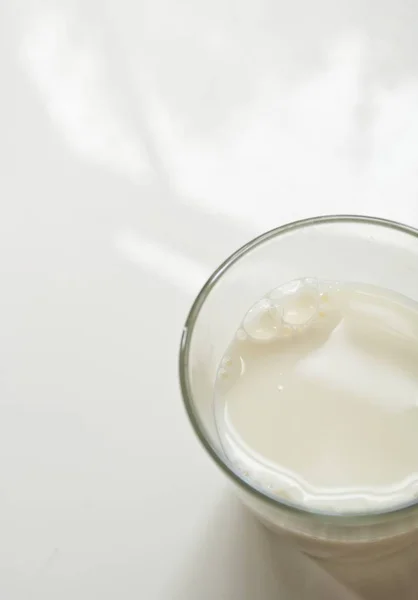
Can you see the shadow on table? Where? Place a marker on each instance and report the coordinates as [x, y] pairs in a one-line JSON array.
[[239, 559]]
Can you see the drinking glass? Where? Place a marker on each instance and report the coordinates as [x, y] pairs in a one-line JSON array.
[[347, 248]]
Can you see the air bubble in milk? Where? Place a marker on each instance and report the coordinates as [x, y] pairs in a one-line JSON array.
[[297, 302], [230, 369], [261, 323], [226, 361], [287, 309]]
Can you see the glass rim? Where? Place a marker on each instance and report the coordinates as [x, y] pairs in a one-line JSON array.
[[183, 364]]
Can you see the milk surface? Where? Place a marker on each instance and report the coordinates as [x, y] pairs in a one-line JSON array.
[[316, 398]]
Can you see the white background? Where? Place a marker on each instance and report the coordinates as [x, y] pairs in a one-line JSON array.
[[142, 141]]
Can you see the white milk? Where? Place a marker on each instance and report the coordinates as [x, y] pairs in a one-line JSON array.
[[316, 399]]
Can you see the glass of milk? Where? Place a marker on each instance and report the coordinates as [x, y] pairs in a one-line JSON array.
[[299, 372]]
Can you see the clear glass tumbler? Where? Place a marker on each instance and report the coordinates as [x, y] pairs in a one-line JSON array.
[[367, 552]]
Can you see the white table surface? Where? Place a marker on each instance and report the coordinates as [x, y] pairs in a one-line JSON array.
[[141, 142]]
